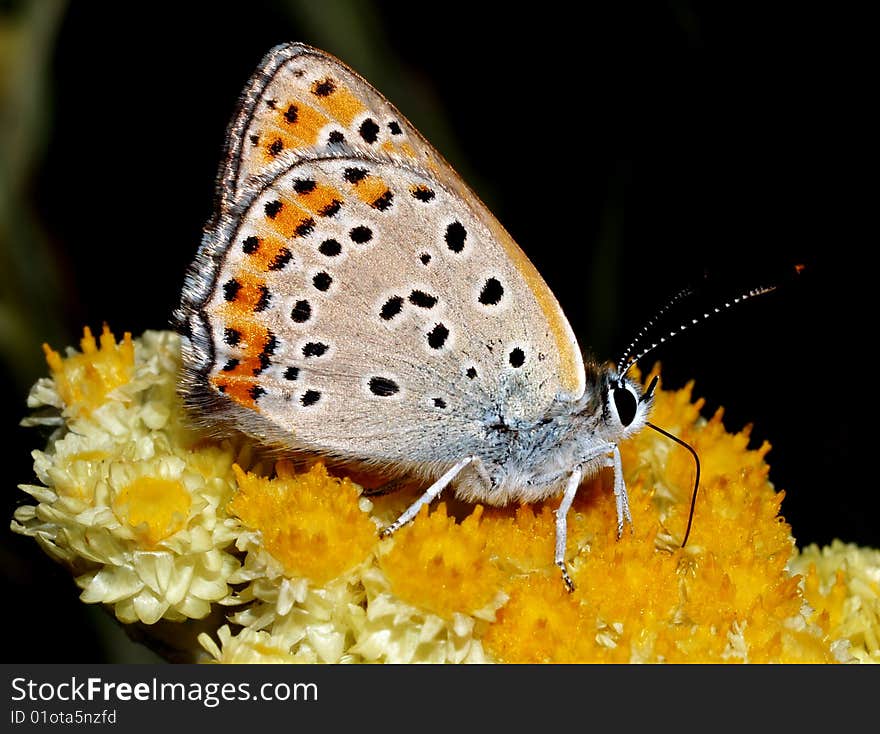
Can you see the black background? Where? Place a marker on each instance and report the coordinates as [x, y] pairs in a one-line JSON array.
[[628, 150]]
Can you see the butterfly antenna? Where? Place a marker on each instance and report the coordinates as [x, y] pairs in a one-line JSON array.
[[690, 448], [680, 296], [629, 359]]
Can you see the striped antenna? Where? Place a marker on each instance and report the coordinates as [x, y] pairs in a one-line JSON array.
[[628, 359], [680, 296]]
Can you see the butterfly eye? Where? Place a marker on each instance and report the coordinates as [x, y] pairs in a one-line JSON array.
[[625, 402]]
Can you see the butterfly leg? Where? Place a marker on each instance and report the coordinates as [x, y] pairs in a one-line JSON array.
[[571, 488], [611, 460], [621, 498], [429, 496]]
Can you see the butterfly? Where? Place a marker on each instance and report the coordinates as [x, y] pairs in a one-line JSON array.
[[352, 297]]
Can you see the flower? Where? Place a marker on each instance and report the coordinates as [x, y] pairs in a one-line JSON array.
[[83, 381], [443, 566], [131, 499], [842, 585], [310, 523], [160, 520]]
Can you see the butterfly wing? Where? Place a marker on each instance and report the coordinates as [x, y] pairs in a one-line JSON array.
[[352, 295], [303, 104]]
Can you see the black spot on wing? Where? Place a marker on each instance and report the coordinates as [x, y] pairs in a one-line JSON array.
[[265, 356], [232, 337], [455, 236], [422, 299], [492, 292], [331, 209], [323, 88], [330, 248], [230, 289], [305, 227], [264, 299], [383, 201], [355, 175], [369, 131], [301, 311], [322, 281], [314, 349], [391, 308], [310, 397], [304, 185], [423, 194], [282, 257], [383, 386], [361, 234], [437, 336]]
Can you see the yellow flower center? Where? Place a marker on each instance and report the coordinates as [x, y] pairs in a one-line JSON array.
[[541, 623], [84, 380], [443, 566], [310, 522], [154, 508]]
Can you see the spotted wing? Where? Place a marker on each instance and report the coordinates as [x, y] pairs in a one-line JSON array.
[[354, 297], [303, 104]]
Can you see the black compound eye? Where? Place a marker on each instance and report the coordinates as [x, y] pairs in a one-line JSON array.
[[626, 405]]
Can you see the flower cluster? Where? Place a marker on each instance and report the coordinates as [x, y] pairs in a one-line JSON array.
[[131, 499], [160, 520]]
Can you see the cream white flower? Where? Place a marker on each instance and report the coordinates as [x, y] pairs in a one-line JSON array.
[[842, 584], [131, 498]]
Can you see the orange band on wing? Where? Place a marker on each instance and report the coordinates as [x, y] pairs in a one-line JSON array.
[[341, 105], [372, 190], [321, 200], [290, 127], [242, 390], [289, 219], [254, 344], [270, 253]]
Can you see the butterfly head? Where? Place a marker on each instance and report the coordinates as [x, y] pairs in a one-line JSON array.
[[626, 404]]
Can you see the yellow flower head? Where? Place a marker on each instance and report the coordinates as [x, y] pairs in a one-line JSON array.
[[311, 523], [443, 566], [541, 623], [84, 380], [154, 508]]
